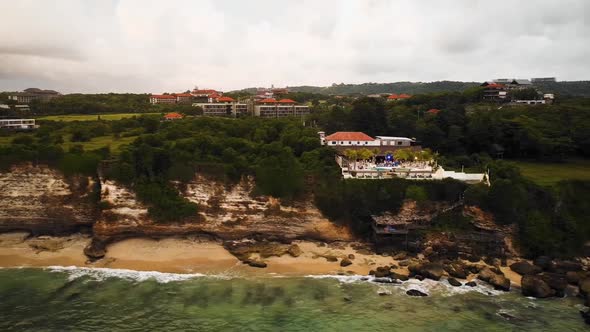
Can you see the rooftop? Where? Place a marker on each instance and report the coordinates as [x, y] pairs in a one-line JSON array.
[[225, 99], [173, 115], [349, 136]]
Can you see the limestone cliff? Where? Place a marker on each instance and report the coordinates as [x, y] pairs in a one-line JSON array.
[[42, 200], [227, 212]]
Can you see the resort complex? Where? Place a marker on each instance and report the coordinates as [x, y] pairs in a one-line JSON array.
[[361, 156]]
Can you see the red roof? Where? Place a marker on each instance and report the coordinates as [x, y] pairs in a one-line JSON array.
[[433, 111], [393, 96], [494, 86], [287, 101], [214, 95], [268, 100], [204, 92], [404, 96], [349, 136], [225, 99], [164, 96], [183, 95], [173, 115]]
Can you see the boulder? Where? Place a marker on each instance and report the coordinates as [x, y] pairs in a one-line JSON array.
[[543, 262], [456, 270], [471, 284], [585, 316], [454, 282], [557, 282], [385, 281], [535, 286], [432, 271], [345, 262], [400, 256], [294, 250], [255, 263], [565, 266], [351, 256], [382, 272], [572, 277], [585, 286], [415, 292], [331, 258], [499, 281], [419, 277], [399, 276], [525, 268], [95, 250]]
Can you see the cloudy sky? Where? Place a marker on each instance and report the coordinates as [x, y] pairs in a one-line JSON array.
[[157, 46]]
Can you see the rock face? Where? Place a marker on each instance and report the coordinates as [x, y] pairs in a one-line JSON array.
[[229, 213], [499, 281], [345, 262], [42, 200], [536, 287]]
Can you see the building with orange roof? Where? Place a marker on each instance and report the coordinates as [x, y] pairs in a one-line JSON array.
[[173, 116], [433, 111], [272, 108], [162, 99]]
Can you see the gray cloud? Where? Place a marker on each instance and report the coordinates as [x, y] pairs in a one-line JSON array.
[[155, 46]]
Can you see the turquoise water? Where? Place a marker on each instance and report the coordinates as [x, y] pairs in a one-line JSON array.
[[69, 299]]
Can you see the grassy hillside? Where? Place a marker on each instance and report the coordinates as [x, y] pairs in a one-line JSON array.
[[547, 174]]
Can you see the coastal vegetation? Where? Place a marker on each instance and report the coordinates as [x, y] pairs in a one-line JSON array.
[[543, 195]]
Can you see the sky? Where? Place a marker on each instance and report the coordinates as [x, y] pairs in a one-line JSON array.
[[174, 45]]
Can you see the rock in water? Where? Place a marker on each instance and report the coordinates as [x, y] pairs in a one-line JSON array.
[[525, 268], [454, 282], [432, 271], [294, 250], [497, 280], [535, 286], [415, 292], [345, 262], [471, 284]]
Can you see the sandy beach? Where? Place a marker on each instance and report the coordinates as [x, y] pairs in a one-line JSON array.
[[188, 255], [177, 255]]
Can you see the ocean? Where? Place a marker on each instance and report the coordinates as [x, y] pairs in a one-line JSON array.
[[85, 299]]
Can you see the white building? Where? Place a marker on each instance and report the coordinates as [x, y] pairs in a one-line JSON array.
[[163, 99], [271, 108], [359, 139], [18, 124], [225, 106]]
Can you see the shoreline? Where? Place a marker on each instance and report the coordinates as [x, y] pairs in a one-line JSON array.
[[194, 255]]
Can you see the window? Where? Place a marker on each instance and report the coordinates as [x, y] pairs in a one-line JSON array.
[[399, 142]]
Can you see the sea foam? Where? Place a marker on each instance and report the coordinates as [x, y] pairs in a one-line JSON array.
[[100, 274], [427, 286]]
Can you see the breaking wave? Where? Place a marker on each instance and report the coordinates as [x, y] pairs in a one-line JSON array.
[[100, 274], [427, 286]]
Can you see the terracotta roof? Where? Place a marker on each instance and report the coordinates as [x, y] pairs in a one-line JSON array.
[[349, 136], [163, 96], [173, 115], [393, 96], [268, 100], [226, 99], [183, 95], [204, 92], [494, 86], [287, 101], [214, 95], [433, 111], [404, 96]]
